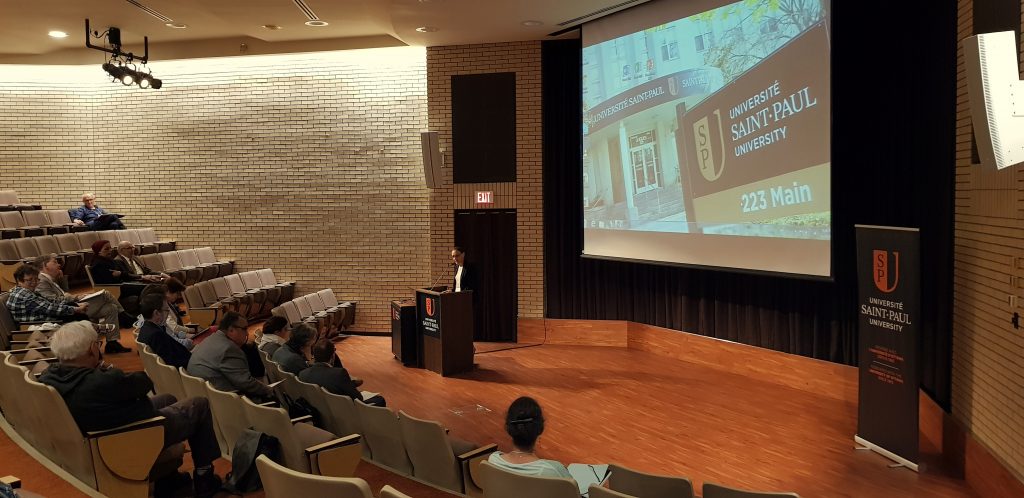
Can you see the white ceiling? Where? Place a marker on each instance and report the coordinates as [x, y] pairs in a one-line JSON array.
[[222, 27]]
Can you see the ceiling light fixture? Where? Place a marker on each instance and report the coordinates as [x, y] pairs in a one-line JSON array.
[[176, 25], [316, 23], [272, 27], [532, 24], [117, 65], [427, 29], [57, 34]]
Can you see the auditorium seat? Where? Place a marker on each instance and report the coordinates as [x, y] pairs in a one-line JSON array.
[[40, 219], [251, 280], [433, 459], [499, 483], [268, 278], [331, 302], [87, 239], [165, 377], [317, 307], [384, 436], [148, 235], [712, 490], [71, 261], [258, 297], [238, 303], [198, 311], [596, 491], [113, 289], [389, 492], [60, 217], [10, 260], [206, 256], [69, 242], [281, 482], [228, 414], [631, 482], [195, 387], [291, 312], [132, 235], [305, 448], [9, 200], [15, 221], [322, 320], [344, 418], [189, 259]]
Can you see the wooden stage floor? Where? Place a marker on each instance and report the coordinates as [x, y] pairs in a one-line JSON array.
[[655, 414]]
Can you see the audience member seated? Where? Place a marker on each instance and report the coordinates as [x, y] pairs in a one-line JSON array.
[[154, 334], [293, 357], [131, 268], [328, 372], [274, 335], [103, 308], [220, 360], [93, 216], [170, 291], [26, 305], [525, 423], [106, 271], [101, 397]]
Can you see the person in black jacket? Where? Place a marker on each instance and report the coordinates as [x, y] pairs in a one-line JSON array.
[[105, 270], [327, 372], [101, 397], [292, 357], [465, 275], [154, 334]]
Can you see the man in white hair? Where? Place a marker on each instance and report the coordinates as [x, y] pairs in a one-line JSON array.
[[93, 216], [101, 397]]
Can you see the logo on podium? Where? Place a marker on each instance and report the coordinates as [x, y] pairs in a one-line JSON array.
[[881, 272], [429, 303]]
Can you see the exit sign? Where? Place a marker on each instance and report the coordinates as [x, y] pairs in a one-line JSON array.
[[485, 197]]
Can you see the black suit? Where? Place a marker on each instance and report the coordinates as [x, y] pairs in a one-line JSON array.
[[169, 350], [121, 264], [469, 279]]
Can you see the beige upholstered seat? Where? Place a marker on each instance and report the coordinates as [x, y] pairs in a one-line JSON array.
[[206, 257], [711, 490], [189, 259], [40, 219], [342, 418], [227, 299], [268, 278], [305, 448], [198, 311], [431, 454], [113, 289], [498, 483], [228, 414], [596, 491], [195, 387], [251, 281], [389, 492], [384, 435], [86, 239], [72, 261], [282, 482], [257, 297], [632, 482], [148, 235]]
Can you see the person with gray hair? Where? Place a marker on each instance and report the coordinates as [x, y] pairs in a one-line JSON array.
[[103, 308], [101, 397], [93, 216]]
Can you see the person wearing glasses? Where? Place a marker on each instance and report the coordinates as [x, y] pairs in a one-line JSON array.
[[524, 422], [93, 216], [221, 360]]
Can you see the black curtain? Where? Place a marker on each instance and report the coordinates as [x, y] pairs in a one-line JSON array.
[[893, 149], [489, 239]]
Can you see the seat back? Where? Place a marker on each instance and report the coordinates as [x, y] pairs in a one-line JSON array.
[[205, 255], [251, 280], [228, 413], [27, 247], [7, 325], [195, 387], [68, 242], [712, 490], [170, 260], [87, 239], [208, 292], [384, 436], [193, 298], [9, 251], [499, 483], [58, 216], [596, 491], [281, 482], [430, 452], [631, 482], [35, 218], [389, 492], [221, 288], [267, 277], [327, 297], [188, 257], [11, 375], [47, 244], [8, 198], [235, 283], [12, 219], [303, 307], [314, 395], [148, 235], [291, 312], [169, 379], [66, 445], [275, 422], [132, 235], [155, 262], [314, 302]]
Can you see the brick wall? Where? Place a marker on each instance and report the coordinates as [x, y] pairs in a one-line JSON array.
[[522, 58], [307, 164], [988, 353]]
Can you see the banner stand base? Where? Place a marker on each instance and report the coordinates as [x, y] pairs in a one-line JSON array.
[[900, 461]]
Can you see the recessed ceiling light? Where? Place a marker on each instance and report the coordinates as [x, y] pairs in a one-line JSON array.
[[58, 34], [426, 29], [272, 27], [532, 24], [316, 23], [176, 25]]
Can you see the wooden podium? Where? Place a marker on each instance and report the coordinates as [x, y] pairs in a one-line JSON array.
[[445, 322]]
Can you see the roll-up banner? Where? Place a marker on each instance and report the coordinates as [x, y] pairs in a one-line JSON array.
[[889, 307]]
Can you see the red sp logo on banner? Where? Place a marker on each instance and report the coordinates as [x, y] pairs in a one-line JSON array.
[[430, 306], [881, 270]]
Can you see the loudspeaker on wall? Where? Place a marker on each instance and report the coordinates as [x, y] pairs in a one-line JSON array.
[[432, 159]]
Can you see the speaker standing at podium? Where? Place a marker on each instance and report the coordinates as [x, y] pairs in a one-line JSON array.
[[465, 275]]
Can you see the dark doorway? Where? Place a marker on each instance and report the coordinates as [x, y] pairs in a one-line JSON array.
[[489, 239]]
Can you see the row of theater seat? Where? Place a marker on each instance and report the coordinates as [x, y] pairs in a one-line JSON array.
[[15, 224], [190, 266], [116, 462], [320, 309], [9, 202], [251, 293], [73, 249]]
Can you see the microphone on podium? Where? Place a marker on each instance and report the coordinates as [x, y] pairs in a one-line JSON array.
[[448, 269]]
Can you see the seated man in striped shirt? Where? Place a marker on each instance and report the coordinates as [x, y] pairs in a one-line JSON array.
[[26, 305]]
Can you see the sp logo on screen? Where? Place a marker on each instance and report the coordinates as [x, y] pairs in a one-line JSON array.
[[702, 134], [882, 274]]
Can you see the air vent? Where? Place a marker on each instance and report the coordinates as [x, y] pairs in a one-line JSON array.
[[595, 14], [164, 19], [301, 4]]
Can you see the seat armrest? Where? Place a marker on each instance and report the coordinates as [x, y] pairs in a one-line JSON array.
[[274, 404], [304, 418], [483, 450], [336, 458], [141, 424], [11, 481], [33, 362], [23, 351]]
